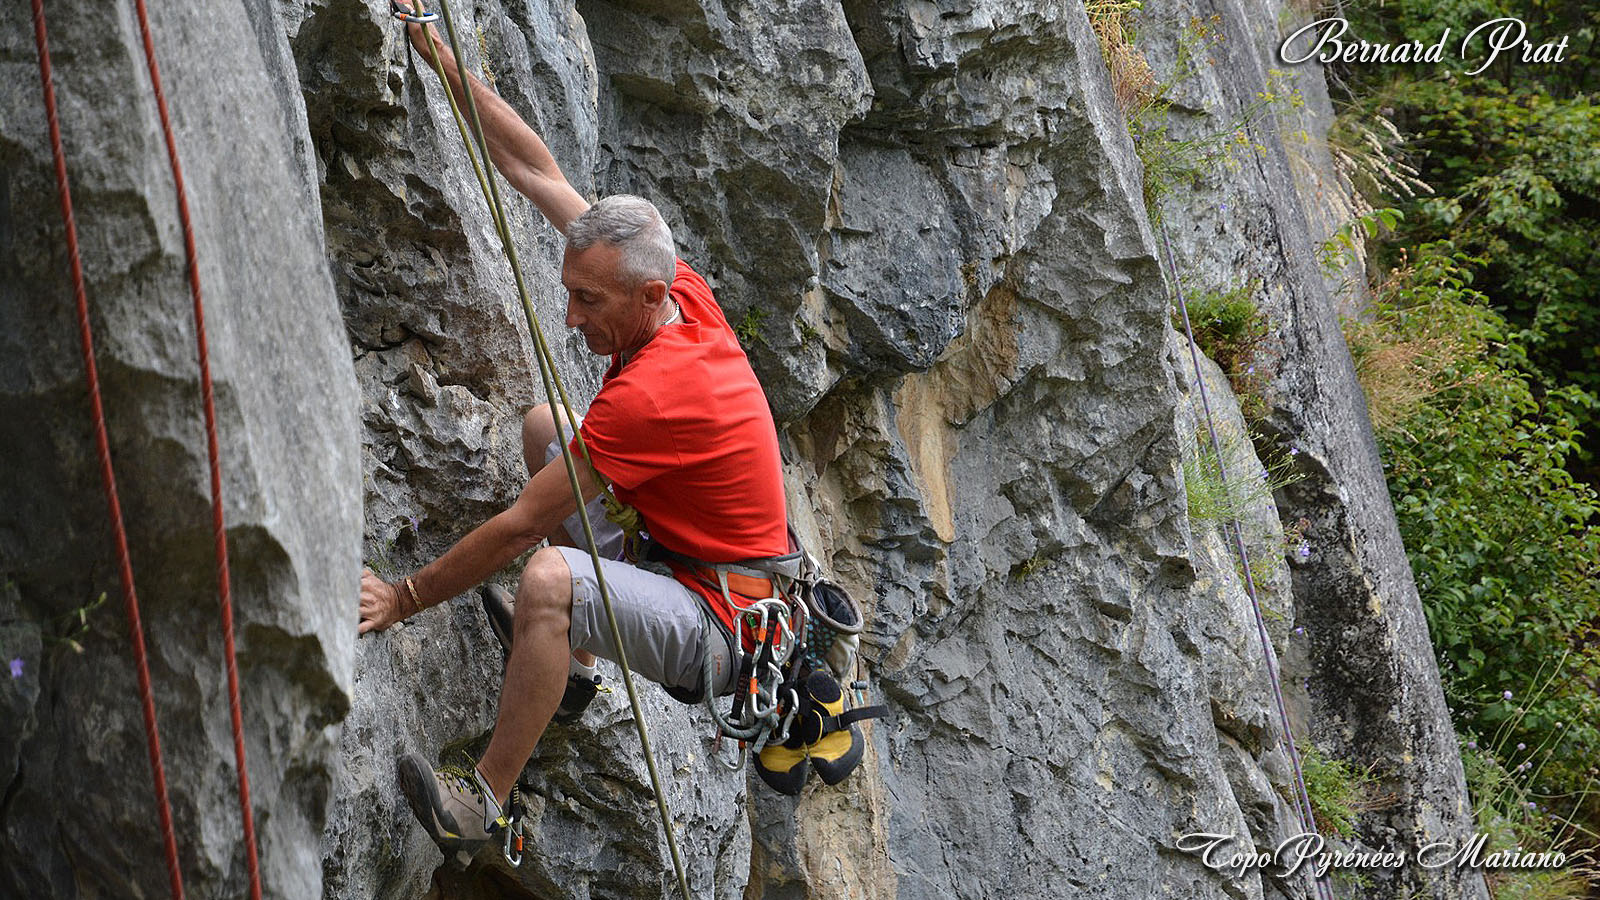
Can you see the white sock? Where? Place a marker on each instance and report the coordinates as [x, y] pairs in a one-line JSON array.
[[492, 808], [581, 670]]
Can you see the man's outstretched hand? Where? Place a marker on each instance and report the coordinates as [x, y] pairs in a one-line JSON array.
[[380, 603], [422, 36]]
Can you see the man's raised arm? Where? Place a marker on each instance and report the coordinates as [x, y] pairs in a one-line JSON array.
[[516, 149]]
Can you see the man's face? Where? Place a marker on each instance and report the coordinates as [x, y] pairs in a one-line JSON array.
[[612, 318]]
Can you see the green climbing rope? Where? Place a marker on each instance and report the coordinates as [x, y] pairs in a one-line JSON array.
[[555, 390]]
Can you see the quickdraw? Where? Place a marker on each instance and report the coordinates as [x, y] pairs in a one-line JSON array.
[[513, 828]]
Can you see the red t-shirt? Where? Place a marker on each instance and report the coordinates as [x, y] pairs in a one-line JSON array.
[[684, 433]]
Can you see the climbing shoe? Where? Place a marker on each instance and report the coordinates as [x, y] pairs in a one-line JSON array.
[[583, 683], [783, 768], [500, 607], [451, 803], [836, 751], [822, 733], [577, 697]]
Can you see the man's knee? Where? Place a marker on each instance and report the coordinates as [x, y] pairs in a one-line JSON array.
[[544, 595], [538, 430]]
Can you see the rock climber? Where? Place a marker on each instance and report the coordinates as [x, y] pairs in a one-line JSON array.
[[681, 431]]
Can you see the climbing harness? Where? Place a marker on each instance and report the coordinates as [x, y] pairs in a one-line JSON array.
[[1302, 797], [789, 624], [108, 477], [554, 390]]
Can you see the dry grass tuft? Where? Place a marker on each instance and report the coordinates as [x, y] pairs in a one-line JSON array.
[[1131, 79], [1405, 357]]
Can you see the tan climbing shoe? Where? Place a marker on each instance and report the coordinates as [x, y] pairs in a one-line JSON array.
[[449, 802]]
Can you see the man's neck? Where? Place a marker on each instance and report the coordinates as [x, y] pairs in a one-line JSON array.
[[676, 313]]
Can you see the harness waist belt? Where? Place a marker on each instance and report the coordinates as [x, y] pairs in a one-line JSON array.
[[744, 585]]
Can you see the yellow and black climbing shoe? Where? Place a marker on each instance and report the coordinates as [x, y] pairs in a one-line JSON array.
[[836, 750], [783, 768], [823, 733]]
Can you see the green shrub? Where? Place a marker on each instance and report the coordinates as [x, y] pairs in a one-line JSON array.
[[1516, 179], [1495, 526], [1232, 331], [1228, 325], [751, 328], [1338, 791]]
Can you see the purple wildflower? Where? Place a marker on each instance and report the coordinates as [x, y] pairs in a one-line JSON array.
[[1299, 629], [1521, 746], [16, 667], [1472, 745], [1506, 695], [1250, 371], [1303, 551]]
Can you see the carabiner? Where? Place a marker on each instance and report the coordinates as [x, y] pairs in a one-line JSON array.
[[405, 14], [513, 839]]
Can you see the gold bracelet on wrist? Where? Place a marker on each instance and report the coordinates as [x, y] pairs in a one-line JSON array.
[[416, 599]]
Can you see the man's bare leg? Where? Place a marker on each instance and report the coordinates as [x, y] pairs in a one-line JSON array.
[[536, 672], [538, 430]]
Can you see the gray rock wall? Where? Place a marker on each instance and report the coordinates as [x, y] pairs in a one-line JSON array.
[[1375, 698], [927, 221], [78, 817]]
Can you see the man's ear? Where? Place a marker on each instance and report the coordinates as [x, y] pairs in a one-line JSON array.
[[655, 293]]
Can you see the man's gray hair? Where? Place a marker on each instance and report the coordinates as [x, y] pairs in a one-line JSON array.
[[634, 226]]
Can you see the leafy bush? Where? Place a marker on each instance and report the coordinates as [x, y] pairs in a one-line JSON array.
[[1228, 325], [1518, 176], [1515, 173], [1494, 524]]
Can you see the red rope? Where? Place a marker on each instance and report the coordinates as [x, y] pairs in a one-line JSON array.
[[103, 445], [218, 529]]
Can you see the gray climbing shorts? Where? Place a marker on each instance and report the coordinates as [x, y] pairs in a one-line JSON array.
[[665, 627]]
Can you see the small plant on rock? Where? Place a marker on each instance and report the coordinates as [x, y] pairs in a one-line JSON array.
[[1338, 791], [749, 329], [1232, 331]]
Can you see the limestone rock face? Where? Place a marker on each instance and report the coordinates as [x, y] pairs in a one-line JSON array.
[[1374, 691], [926, 222], [79, 818]]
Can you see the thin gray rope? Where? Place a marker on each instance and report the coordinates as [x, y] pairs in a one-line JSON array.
[[554, 391], [1236, 529]]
